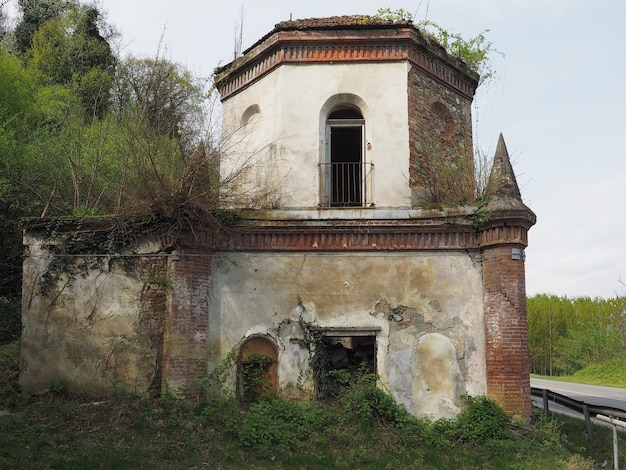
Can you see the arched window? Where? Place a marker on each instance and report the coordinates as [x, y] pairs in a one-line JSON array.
[[257, 369], [344, 170]]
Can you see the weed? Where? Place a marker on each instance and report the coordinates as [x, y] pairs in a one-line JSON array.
[[253, 371], [272, 427]]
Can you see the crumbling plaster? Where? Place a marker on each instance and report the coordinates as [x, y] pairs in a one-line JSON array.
[[94, 330], [425, 309]]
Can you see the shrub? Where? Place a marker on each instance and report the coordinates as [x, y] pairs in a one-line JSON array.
[[368, 404], [277, 426], [483, 420]]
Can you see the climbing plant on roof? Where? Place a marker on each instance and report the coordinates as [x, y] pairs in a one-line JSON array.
[[476, 52]]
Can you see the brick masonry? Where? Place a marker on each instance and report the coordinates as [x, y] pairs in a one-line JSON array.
[[185, 339], [439, 112], [506, 329]]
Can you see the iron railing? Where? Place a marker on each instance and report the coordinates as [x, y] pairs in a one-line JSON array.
[[347, 184]]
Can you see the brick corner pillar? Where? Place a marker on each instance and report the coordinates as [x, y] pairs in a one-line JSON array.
[[506, 326], [186, 330], [503, 239]]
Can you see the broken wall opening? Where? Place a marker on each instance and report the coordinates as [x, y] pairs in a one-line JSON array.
[[341, 357]]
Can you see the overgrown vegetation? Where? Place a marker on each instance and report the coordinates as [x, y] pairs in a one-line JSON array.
[[476, 52], [10, 321], [87, 133], [363, 428], [450, 175], [448, 171]]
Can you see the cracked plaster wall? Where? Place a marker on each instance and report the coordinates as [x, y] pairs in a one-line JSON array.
[[95, 332], [426, 310]]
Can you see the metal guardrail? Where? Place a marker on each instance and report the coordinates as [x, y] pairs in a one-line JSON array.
[[587, 410]]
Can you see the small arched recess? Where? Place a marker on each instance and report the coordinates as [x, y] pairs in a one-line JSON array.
[[250, 112], [257, 369]]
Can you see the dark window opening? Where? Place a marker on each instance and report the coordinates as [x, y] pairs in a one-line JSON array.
[[341, 360], [345, 174], [346, 154], [345, 113]]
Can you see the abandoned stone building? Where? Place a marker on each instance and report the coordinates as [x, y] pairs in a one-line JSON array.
[[330, 127]]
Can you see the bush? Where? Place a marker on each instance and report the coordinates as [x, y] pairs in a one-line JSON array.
[[10, 320], [370, 405], [221, 413], [483, 420], [276, 426]]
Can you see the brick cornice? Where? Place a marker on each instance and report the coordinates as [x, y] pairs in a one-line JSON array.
[[503, 234], [332, 237], [400, 43]]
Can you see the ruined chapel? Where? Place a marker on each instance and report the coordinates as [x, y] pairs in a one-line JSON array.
[[331, 130]]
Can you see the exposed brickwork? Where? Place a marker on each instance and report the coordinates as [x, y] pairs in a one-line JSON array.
[[185, 346], [506, 329], [427, 98], [154, 310]]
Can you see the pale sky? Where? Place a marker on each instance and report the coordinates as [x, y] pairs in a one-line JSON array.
[[559, 101]]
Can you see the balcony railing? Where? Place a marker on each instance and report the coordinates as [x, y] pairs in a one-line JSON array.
[[347, 184]]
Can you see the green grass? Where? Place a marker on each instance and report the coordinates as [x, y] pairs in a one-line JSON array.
[[363, 430], [608, 374]]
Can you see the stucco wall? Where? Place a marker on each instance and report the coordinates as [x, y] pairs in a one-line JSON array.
[[94, 330], [288, 133], [425, 309]]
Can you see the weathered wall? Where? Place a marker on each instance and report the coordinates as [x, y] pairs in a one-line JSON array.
[[426, 310], [94, 330], [285, 141]]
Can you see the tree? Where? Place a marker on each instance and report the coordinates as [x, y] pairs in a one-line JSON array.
[[19, 117], [167, 152], [34, 14], [567, 335], [4, 19], [167, 96], [69, 50]]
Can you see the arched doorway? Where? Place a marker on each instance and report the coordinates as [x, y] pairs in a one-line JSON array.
[[346, 149], [257, 369]]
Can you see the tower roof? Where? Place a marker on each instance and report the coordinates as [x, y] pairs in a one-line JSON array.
[[506, 199], [341, 39]]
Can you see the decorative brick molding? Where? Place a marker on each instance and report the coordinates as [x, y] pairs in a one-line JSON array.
[[499, 234], [364, 235], [368, 43]]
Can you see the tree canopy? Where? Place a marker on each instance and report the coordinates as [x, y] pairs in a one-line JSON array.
[[567, 335], [85, 132]]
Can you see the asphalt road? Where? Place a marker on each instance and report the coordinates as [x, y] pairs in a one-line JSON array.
[[590, 394]]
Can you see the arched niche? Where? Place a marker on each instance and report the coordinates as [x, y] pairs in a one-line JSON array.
[[257, 369]]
